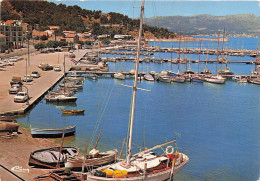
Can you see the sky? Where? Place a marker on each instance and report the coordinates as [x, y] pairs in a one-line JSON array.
[[155, 8]]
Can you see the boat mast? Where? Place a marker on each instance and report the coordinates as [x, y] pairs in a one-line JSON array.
[[199, 60], [217, 56], [179, 56], [135, 88]]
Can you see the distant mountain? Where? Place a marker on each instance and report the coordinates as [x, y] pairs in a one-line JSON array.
[[208, 24]]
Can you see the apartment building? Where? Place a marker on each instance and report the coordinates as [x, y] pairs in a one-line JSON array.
[[13, 33]]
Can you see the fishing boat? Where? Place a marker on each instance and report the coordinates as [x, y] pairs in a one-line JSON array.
[[8, 125], [51, 157], [53, 132], [144, 165], [93, 159], [73, 111]]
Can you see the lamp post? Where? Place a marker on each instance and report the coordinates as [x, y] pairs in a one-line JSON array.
[[27, 92]]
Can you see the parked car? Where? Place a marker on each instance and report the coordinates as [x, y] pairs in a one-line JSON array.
[[16, 80], [27, 78], [46, 67], [12, 59], [35, 74], [8, 63], [57, 68], [21, 97], [15, 88]]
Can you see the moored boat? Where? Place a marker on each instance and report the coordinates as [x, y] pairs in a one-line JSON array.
[[119, 75], [197, 79], [73, 111], [254, 81], [93, 159], [148, 77], [53, 132], [165, 78], [51, 157], [217, 79], [60, 98]]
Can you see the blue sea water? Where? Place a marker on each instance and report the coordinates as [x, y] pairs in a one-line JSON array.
[[217, 126]]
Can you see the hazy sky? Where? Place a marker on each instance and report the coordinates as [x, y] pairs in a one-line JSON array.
[[169, 8]]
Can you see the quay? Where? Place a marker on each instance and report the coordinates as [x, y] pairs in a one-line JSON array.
[[150, 50], [38, 87]]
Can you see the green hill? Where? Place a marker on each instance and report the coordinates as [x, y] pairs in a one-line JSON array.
[[74, 18]]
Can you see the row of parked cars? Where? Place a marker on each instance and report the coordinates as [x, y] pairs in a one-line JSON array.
[[10, 61], [46, 67], [17, 86]]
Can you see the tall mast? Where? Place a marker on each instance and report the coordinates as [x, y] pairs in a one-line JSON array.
[[199, 59], [217, 57], [135, 88], [179, 57]]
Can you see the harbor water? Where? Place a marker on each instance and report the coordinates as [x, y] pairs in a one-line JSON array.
[[217, 126]]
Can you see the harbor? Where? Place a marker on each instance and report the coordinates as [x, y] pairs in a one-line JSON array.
[[99, 98]]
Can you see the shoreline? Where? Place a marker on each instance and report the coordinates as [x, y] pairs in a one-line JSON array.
[[16, 160], [187, 39]]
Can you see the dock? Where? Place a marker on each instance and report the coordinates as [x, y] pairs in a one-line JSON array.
[[38, 87]]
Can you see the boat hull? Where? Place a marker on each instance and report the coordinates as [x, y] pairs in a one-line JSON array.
[[73, 112], [49, 157], [53, 133], [164, 174], [105, 158]]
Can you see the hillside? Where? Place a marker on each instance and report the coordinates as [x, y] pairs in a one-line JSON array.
[[74, 18], [207, 24]]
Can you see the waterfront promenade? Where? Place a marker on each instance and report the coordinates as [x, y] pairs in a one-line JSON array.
[[38, 86]]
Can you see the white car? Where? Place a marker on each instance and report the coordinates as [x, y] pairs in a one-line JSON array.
[[21, 97], [57, 68], [27, 78], [13, 59], [15, 88], [35, 74]]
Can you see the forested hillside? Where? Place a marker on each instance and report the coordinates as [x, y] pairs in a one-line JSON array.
[[73, 18]]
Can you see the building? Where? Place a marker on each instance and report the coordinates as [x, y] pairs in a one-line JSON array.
[[71, 37], [13, 33]]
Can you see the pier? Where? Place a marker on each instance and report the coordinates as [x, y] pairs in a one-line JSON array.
[[38, 87]]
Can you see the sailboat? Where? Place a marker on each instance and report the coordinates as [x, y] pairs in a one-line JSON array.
[[198, 78], [144, 165], [226, 70], [62, 96], [217, 79], [206, 71]]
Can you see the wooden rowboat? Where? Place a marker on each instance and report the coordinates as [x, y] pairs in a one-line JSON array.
[[51, 157], [73, 111]]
